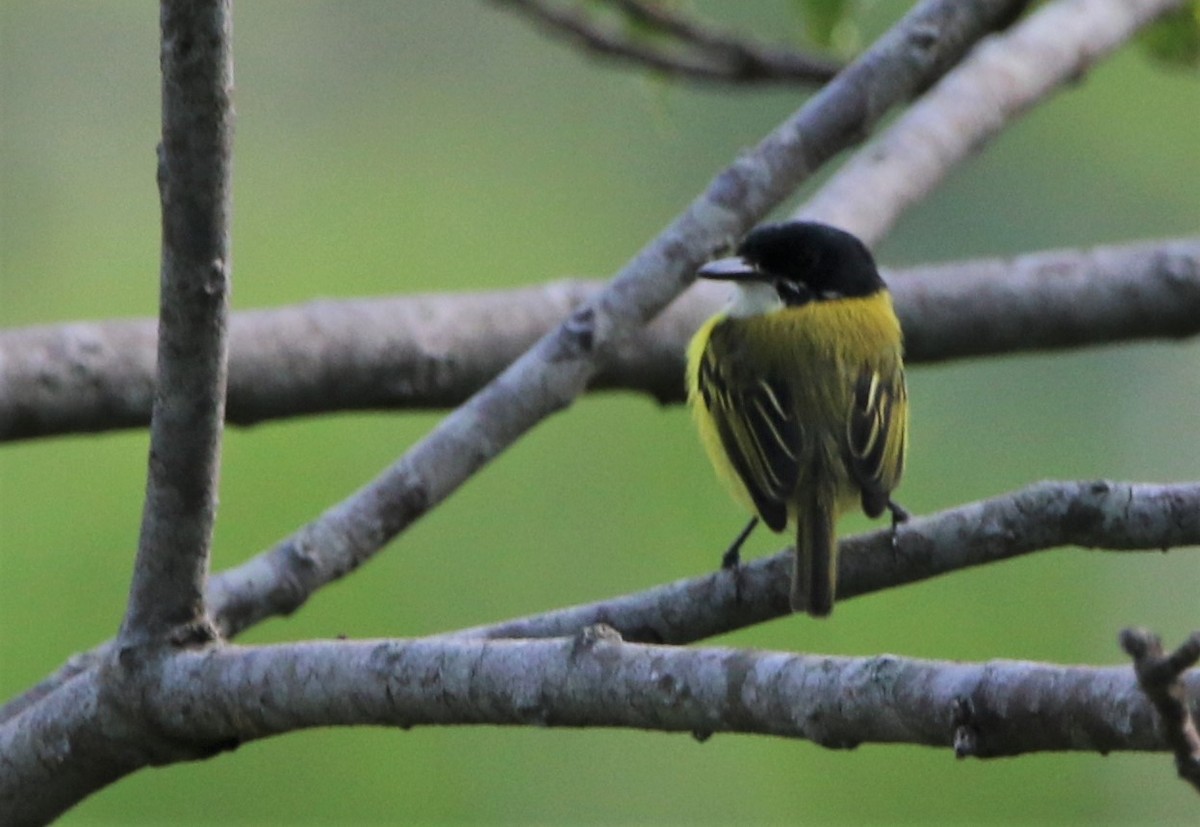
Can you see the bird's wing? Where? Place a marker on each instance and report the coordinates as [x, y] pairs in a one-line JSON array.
[[876, 435], [756, 421]]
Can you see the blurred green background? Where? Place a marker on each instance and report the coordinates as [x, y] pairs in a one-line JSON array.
[[420, 146]]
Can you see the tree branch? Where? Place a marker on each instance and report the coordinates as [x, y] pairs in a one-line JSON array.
[[434, 351], [1097, 515], [1050, 300], [203, 702], [695, 52], [167, 593], [53, 755], [1004, 78], [596, 679]]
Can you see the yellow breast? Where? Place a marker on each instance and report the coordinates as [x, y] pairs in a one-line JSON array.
[[816, 349]]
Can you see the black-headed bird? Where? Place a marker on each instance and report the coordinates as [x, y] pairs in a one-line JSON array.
[[798, 392]]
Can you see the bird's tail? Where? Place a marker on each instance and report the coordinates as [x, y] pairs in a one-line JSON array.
[[814, 572]]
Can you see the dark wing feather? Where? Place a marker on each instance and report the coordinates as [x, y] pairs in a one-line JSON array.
[[875, 436], [758, 429]]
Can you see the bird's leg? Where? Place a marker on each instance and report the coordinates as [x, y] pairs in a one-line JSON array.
[[732, 557], [899, 515]]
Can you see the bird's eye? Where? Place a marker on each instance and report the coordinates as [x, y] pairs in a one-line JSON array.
[[792, 293]]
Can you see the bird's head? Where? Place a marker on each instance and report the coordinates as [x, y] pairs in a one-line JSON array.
[[795, 263]]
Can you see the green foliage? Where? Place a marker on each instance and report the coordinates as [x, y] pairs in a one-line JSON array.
[[1175, 40], [831, 24]]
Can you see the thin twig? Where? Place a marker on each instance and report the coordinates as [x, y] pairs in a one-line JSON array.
[[167, 593], [1161, 677], [994, 86], [747, 58], [697, 52]]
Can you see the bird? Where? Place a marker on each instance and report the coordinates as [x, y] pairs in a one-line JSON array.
[[798, 392]]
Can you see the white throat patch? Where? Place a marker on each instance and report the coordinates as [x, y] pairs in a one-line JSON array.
[[754, 298]]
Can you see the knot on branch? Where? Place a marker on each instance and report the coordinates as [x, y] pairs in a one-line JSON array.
[[579, 332], [589, 637], [966, 733]]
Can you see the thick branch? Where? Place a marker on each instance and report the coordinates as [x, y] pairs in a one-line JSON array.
[[167, 593], [1004, 78], [595, 679], [1050, 300], [226, 696], [695, 53], [434, 351], [57, 753]]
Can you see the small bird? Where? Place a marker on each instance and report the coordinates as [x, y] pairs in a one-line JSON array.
[[798, 392]]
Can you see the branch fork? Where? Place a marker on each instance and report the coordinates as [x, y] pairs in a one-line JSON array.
[[1160, 676]]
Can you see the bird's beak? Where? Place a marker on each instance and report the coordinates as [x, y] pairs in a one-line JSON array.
[[733, 268]]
